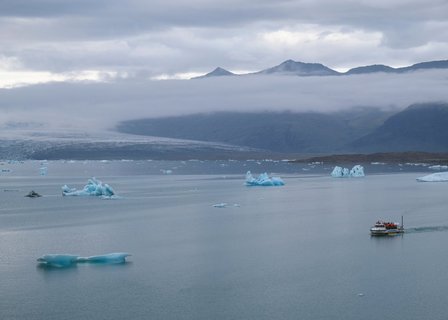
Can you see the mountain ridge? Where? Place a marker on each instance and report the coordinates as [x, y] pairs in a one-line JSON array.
[[303, 69]]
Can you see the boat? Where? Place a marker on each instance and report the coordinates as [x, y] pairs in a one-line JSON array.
[[385, 228]]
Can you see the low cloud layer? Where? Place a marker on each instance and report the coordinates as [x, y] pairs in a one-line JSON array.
[[92, 106]]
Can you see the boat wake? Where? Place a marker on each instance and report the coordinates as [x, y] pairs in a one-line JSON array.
[[426, 229]]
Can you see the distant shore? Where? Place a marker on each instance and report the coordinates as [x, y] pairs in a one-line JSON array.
[[385, 157]]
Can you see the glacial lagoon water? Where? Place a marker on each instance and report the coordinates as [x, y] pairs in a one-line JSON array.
[[301, 251]]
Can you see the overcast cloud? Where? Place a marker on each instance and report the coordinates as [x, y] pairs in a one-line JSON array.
[[122, 45], [150, 38]]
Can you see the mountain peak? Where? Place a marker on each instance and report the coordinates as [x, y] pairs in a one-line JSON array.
[[217, 72], [299, 68], [371, 69]]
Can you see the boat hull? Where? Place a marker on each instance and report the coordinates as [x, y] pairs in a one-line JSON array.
[[389, 232]]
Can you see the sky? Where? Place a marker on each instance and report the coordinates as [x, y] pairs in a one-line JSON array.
[[79, 40], [86, 64]]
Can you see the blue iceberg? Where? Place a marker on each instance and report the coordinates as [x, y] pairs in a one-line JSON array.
[[356, 172], [68, 260], [263, 180], [93, 187], [58, 260]]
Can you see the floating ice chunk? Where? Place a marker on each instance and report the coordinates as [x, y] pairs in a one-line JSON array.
[[263, 180], [58, 260], [168, 171], [339, 172], [435, 177], [67, 260], [356, 171], [110, 258], [438, 167], [93, 187], [220, 205], [43, 171]]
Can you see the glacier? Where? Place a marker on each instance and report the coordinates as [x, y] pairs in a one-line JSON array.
[[94, 187], [263, 180], [68, 260], [435, 177], [356, 172]]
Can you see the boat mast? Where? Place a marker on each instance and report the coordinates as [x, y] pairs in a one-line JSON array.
[[402, 224]]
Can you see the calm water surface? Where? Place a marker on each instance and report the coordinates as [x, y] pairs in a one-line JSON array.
[[301, 251]]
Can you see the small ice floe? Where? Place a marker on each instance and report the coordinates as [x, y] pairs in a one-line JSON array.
[[360, 294], [225, 205], [33, 194], [220, 205], [168, 171], [356, 172], [417, 164], [68, 260], [93, 187], [43, 171], [263, 180], [378, 163], [435, 177], [438, 167]]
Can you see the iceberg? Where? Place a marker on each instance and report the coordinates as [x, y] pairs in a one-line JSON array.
[[435, 177], [110, 258], [220, 205], [263, 180], [438, 167], [93, 187], [58, 260], [68, 260], [356, 172], [43, 171]]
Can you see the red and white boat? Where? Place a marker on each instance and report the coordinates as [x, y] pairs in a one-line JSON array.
[[385, 228]]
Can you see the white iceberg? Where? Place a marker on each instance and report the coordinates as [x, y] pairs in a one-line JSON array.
[[68, 260], [435, 177], [93, 187], [220, 205], [263, 180], [356, 172]]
